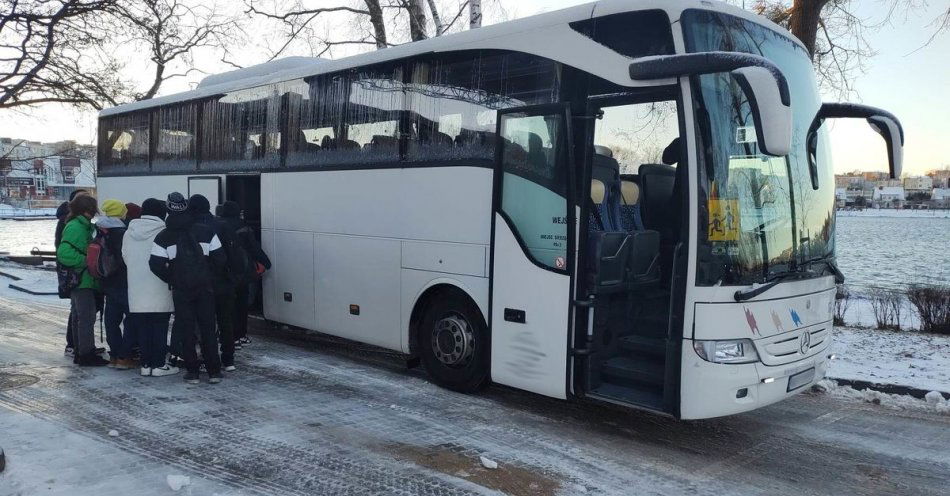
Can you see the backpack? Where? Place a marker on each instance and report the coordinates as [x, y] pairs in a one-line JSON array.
[[189, 268], [101, 260], [240, 267]]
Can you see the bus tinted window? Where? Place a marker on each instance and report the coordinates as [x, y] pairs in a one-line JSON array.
[[241, 130], [124, 143], [347, 118], [175, 147], [634, 34], [453, 100]]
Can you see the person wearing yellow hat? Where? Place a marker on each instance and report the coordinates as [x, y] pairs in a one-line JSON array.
[[120, 329], [114, 208]]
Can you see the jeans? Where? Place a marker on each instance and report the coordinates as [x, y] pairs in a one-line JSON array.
[[84, 320], [194, 317], [153, 336], [224, 306], [116, 318]]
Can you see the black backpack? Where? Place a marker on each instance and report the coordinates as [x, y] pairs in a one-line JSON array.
[[189, 268], [240, 266]]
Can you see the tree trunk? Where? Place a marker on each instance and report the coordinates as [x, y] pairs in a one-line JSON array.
[[417, 19], [436, 19], [475, 14], [379, 24], [804, 21]]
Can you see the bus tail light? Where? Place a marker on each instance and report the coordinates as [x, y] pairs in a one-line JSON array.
[[732, 351]]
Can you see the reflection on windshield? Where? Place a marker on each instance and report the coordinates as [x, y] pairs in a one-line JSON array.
[[759, 215]]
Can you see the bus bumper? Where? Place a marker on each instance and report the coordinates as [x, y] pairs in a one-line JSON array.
[[715, 390]]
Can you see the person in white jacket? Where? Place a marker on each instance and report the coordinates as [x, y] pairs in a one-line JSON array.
[[150, 299]]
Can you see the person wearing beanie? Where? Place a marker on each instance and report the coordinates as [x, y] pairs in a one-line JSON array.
[[251, 262], [134, 212], [225, 288], [114, 208], [150, 299], [120, 330], [61, 213], [186, 255]]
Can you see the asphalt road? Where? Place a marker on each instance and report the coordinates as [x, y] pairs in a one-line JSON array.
[[332, 419]]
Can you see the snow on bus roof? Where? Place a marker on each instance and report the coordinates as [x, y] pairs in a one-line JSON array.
[[544, 35]]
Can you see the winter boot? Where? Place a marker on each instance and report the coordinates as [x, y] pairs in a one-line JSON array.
[[91, 360], [190, 377]]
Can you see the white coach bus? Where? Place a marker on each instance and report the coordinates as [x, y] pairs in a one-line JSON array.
[[626, 201]]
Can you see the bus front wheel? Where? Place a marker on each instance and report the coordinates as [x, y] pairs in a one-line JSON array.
[[452, 342]]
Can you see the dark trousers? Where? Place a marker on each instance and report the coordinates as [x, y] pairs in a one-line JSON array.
[[84, 320], [153, 336], [241, 305], [120, 331], [194, 317], [70, 342], [224, 305]]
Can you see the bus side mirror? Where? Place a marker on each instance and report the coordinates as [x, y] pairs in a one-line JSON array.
[[882, 121], [762, 82]]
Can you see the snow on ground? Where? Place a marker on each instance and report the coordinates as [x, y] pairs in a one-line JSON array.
[[34, 279], [861, 314], [934, 403], [903, 358], [891, 212]]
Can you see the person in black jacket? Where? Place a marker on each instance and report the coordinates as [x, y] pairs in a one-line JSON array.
[[185, 255], [224, 282], [247, 246], [61, 214]]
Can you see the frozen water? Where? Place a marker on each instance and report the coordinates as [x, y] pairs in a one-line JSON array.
[[488, 463], [113, 433]]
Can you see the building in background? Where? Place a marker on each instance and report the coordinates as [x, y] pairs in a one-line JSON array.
[[918, 184], [888, 197], [38, 175], [940, 177]]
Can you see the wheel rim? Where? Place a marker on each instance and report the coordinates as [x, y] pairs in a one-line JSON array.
[[453, 342]]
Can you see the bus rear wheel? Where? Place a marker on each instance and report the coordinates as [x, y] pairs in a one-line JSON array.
[[452, 341]]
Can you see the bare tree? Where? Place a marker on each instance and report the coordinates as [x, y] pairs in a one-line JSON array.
[[475, 14], [172, 30], [50, 52], [837, 39], [417, 19], [69, 51]]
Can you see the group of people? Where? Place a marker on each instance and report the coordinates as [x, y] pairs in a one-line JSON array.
[[139, 265]]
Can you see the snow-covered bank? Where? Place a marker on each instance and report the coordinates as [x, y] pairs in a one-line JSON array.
[[933, 403], [901, 358], [11, 211], [893, 212]]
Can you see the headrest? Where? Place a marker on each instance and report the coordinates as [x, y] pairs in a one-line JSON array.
[[629, 192], [603, 150], [597, 191]]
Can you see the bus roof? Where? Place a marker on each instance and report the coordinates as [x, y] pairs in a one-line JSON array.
[[546, 35]]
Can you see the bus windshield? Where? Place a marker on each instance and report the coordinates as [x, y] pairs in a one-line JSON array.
[[759, 215]]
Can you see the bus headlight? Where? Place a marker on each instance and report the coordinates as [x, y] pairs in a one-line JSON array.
[[733, 351]]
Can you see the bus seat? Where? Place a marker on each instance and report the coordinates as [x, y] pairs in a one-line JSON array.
[[630, 217], [607, 170], [537, 159], [349, 145], [656, 187], [597, 193], [328, 143], [603, 150], [383, 142]]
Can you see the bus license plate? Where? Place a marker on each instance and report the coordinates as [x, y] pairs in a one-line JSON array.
[[800, 379]]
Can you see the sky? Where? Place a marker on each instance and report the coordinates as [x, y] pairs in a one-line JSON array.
[[904, 76]]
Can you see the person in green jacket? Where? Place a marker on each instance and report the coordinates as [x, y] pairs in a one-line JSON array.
[[72, 253]]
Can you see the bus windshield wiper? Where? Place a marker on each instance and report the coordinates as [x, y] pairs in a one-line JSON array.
[[748, 294], [828, 263]]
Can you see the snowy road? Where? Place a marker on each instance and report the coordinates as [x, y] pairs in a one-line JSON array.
[[330, 420]]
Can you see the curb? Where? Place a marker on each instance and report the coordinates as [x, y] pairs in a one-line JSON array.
[[11, 276], [886, 388], [32, 292]]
